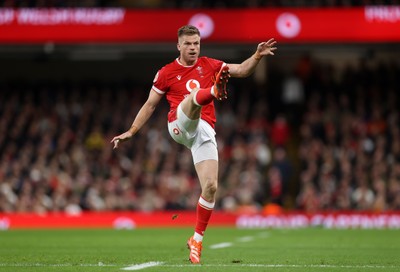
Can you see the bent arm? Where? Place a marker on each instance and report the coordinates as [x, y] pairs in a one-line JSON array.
[[141, 118], [145, 112], [248, 66]]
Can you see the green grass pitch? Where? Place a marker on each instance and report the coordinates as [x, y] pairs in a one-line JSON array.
[[225, 249]]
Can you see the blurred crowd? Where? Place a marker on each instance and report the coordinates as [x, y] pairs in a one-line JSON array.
[[318, 139], [185, 4], [350, 140]]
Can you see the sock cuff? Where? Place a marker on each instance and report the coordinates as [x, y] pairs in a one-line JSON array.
[[205, 204], [195, 99]]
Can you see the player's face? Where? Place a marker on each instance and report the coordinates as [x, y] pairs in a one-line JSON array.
[[189, 47]]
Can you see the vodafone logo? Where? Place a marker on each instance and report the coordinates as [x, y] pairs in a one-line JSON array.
[[288, 25], [204, 23], [192, 84], [176, 131]]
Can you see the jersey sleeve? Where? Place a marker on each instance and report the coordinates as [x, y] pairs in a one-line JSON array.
[[216, 64], [160, 82]]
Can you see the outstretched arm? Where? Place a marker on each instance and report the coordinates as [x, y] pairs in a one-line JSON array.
[[141, 118], [248, 66]]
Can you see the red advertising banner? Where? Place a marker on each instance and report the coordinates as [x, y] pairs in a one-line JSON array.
[[337, 220], [131, 220], [117, 220], [115, 25]]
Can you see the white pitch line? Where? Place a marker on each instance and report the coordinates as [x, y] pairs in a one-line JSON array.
[[221, 245], [245, 239], [142, 266]]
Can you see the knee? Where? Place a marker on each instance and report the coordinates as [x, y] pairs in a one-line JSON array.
[[211, 186]]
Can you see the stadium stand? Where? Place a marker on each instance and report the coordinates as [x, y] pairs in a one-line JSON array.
[[340, 149]]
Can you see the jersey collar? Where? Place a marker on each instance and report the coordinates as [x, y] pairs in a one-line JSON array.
[[177, 60]]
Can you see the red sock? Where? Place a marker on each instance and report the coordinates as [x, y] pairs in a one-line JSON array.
[[203, 97], [204, 210]]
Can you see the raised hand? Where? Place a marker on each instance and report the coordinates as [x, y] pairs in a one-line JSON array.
[[267, 48]]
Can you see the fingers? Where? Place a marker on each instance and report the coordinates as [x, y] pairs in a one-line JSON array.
[[269, 46], [121, 138], [271, 42], [115, 141]]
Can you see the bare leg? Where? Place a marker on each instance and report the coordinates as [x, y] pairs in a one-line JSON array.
[[189, 108], [208, 175], [207, 172]]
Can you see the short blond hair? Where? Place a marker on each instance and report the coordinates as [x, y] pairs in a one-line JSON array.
[[188, 30]]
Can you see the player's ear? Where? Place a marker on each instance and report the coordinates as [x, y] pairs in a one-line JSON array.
[[178, 46]]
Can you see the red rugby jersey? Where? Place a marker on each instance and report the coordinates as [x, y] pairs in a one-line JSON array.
[[176, 81]]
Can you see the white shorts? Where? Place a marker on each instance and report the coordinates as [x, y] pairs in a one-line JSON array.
[[197, 135]]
